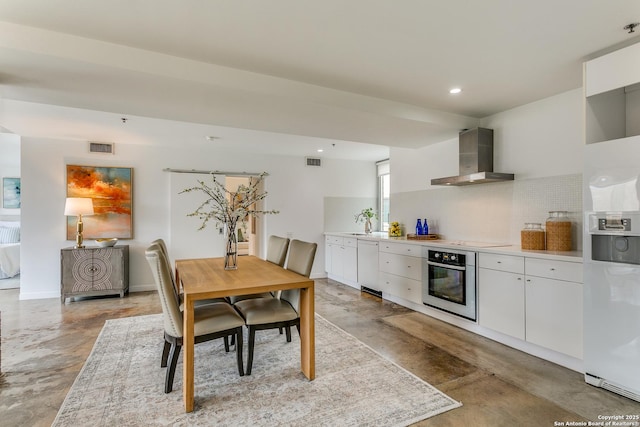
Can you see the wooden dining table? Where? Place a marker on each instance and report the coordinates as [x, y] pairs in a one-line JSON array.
[[204, 278]]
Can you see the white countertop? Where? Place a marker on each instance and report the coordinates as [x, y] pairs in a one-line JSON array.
[[506, 249]]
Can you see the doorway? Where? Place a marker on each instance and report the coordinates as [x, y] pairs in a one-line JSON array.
[[246, 229]]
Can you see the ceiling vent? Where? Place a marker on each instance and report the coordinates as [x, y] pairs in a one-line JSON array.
[[101, 147], [314, 161]]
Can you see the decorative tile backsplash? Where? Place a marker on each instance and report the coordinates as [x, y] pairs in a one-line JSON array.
[[492, 212], [534, 198]]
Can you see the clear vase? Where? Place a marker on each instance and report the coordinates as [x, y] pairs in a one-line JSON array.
[[231, 252], [367, 226]]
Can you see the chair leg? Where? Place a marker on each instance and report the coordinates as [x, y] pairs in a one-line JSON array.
[[252, 338], [233, 340], [171, 371], [239, 351], [280, 329], [288, 329], [165, 354], [226, 343]]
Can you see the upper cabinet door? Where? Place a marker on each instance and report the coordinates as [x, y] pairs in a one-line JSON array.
[[612, 71]]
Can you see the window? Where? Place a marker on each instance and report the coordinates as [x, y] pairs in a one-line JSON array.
[[384, 190]]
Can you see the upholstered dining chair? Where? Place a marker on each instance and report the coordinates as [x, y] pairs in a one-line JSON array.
[[277, 254], [283, 312], [159, 244], [277, 250], [212, 321], [176, 286]]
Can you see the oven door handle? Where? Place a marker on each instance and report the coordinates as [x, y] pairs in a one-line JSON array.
[[452, 267]]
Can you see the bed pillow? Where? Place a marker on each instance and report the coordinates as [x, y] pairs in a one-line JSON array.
[[9, 235]]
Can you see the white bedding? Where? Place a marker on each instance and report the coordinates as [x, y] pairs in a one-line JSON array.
[[9, 260]]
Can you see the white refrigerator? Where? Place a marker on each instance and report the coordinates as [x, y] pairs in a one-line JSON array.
[[611, 248]]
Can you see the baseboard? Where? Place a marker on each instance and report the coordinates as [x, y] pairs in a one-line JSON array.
[[38, 295], [143, 288]]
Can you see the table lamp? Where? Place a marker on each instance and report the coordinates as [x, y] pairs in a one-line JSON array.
[[78, 206]]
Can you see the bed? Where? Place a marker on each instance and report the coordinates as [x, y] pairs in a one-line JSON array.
[[9, 249]]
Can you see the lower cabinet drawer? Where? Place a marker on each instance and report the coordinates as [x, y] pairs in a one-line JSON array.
[[334, 240], [403, 287], [510, 263], [551, 269], [401, 248], [351, 242], [401, 265]]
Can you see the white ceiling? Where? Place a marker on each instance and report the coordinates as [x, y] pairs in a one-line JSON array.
[[320, 72]]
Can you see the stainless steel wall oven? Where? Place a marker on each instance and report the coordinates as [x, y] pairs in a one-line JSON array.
[[449, 281]]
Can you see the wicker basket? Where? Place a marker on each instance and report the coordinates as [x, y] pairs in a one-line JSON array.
[[532, 240], [558, 236]]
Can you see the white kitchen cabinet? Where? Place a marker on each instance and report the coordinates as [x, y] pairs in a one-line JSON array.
[[533, 299], [501, 294], [401, 270], [553, 306], [329, 243], [341, 259], [617, 69], [350, 262], [612, 94], [368, 264]]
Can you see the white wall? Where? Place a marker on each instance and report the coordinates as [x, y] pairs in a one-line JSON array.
[[541, 139], [296, 190], [541, 143]]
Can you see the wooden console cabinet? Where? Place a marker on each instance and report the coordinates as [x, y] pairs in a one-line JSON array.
[[94, 271]]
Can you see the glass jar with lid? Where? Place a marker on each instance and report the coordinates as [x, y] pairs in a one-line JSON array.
[[558, 227], [532, 237]]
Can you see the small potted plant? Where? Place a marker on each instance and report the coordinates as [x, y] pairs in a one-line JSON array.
[[365, 216]]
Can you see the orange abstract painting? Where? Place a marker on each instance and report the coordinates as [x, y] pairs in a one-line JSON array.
[[110, 188]]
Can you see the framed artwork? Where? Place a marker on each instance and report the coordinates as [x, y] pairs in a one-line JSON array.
[[110, 188], [11, 193]]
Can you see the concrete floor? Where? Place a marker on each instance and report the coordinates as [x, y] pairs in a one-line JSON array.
[[45, 343]]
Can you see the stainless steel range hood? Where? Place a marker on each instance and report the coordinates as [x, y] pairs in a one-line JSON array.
[[475, 160]]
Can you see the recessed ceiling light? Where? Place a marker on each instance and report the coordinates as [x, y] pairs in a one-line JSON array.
[[455, 90], [319, 150], [211, 138]]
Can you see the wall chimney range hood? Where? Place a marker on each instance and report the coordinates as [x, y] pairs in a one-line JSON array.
[[475, 160]]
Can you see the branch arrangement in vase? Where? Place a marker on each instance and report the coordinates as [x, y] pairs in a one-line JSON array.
[[228, 207]]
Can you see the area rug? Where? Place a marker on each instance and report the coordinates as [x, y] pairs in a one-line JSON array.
[[121, 384]]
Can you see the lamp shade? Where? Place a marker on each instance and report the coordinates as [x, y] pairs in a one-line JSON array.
[[78, 206]]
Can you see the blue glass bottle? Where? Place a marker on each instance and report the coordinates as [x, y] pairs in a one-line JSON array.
[[425, 227], [419, 227]]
